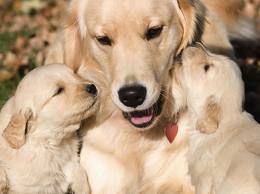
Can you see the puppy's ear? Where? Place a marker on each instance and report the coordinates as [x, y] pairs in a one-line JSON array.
[[208, 122], [191, 14], [17, 128]]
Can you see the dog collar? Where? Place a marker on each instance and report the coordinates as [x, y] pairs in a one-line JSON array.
[[171, 131]]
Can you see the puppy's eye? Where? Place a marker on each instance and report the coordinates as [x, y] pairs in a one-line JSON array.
[[104, 40], [153, 32], [206, 67], [59, 91]]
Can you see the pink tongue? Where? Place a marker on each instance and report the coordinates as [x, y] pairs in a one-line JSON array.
[[141, 120]]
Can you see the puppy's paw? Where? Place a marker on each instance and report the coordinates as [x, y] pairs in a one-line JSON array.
[[81, 189], [3, 182], [80, 184]]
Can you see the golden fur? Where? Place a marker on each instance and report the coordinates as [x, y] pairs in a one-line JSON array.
[[38, 142], [226, 161], [120, 158]]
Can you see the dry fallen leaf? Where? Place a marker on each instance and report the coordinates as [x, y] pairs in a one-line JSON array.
[[20, 43], [6, 75], [27, 6], [10, 60]]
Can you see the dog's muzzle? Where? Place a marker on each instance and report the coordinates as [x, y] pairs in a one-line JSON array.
[[145, 118]]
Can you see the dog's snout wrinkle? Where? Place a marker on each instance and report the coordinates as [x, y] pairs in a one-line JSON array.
[[132, 96]]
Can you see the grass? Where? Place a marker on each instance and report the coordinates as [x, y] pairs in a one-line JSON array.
[[7, 89], [7, 41]]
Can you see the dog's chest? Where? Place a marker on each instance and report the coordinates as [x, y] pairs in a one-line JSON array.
[[41, 172]]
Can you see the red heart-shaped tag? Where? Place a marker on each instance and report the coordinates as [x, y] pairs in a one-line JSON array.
[[171, 132]]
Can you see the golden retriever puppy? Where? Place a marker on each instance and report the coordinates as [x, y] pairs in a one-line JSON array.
[[38, 143], [223, 155]]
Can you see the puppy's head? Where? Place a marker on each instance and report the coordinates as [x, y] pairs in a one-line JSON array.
[[212, 85], [134, 42], [50, 102]]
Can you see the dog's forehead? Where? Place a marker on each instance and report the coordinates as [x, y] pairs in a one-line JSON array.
[[118, 11]]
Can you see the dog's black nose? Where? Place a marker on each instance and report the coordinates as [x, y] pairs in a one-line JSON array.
[[132, 96], [92, 89]]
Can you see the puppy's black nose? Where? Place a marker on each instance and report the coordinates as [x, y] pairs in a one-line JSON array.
[[132, 96], [91, 89]]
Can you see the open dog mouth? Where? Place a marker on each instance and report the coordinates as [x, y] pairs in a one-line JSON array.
[[145, 118]]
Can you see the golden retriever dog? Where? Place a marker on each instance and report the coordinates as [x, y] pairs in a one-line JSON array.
[[134, 43], [38, 143], [223, 155]]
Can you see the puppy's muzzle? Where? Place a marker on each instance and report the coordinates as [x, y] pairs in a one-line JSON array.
[[132, 96]]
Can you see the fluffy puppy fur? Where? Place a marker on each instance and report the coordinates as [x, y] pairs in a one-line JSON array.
[[38, 142], [224, 140]]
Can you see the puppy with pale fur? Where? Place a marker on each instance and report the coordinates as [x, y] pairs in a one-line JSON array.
[[38, 142], [224, 156]]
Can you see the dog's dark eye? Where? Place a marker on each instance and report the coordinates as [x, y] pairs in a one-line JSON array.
[[59, 91], [104, 40], [153, 32], [206, 67]]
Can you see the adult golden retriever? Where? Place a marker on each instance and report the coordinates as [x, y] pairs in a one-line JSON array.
[[134, 43], [224, 140], [38, 142]]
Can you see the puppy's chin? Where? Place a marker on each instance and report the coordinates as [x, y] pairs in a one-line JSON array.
[[91, 109], [145, 120], [84, 112]]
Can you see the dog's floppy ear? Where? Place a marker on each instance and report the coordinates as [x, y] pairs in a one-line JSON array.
[[76, 52], [17, 128], [72, 39], [191, 14], [209, 120]]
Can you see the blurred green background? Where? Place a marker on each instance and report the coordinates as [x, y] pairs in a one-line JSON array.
[[28, 27]]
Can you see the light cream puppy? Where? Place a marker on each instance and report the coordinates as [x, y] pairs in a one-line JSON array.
[[38, 142], [224, 155]]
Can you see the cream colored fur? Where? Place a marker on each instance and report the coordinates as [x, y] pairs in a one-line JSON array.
[[121, 160], [38, 142], [118, 157], [225, 159]]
